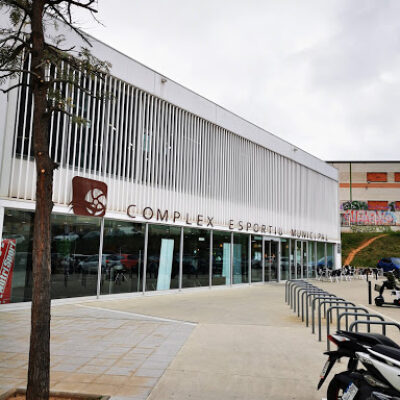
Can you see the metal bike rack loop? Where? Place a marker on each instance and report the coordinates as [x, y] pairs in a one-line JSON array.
[[303, 290], [300, 285], [384, 324], [313, 290], [324, 302], [319, 299], [309, 301], [357, 312]]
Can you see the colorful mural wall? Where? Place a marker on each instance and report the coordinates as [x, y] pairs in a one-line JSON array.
[[369, 217]]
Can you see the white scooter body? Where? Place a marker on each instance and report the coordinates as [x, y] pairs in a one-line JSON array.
[[387, 366]]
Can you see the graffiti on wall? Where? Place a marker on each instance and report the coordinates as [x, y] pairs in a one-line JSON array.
[[354, 205], [370, 205], [369, 217]]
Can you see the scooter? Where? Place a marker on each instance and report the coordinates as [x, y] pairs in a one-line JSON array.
[[380, 301], [383, 366], [349, 343], [390, 284]]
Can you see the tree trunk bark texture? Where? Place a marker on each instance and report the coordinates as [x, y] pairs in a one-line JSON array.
[[39, 352]]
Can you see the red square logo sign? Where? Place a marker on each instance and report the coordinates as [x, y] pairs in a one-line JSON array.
[[89, 197]]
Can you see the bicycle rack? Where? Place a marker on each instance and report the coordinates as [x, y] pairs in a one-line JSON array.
[[368, 315], [293, 289], [312, 291], [303, 290], [364, 313], [384, 324], [324, 302], [288, 287], [319, 299], [308, 302]]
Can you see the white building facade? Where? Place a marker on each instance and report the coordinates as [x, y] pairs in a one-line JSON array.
[[197, 196]]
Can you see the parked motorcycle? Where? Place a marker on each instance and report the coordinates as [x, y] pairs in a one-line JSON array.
[[350, 344]]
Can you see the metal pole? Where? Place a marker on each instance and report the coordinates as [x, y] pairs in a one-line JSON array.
[[369, 293], [100, 257]]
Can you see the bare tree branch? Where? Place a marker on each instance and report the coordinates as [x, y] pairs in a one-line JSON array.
[[16, 86]]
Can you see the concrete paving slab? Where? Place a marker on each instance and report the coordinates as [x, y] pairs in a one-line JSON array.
[[243, 342]]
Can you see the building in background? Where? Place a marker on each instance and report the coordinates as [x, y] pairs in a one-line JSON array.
[[369, 193], [196, 196]]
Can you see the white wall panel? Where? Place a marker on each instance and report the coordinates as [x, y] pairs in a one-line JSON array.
[[152, 153]]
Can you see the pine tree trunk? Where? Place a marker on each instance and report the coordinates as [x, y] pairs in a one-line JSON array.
[[39, 352]]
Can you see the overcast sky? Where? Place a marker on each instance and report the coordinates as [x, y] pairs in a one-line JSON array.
[[322, 74]]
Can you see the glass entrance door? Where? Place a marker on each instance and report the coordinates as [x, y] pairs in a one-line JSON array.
[[271, 257], [274, 260], [300, 258]]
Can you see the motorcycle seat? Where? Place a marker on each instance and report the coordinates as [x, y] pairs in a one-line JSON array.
[[373, 338], [387, 351]]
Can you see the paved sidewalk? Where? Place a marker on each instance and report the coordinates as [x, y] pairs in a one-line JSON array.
[[94, 351], [234, 343]]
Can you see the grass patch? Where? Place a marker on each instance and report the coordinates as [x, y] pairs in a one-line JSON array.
[[387, 246]]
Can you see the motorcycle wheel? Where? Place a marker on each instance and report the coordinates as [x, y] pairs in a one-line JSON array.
[[336, 389]]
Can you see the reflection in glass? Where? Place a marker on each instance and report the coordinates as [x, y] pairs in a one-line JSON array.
[[321, 255], [122, 266], [285, 254], [267, 260], [298, 258], [240, 258], [292, 260], [304, 259], [273, 259], [311, 270], [221, 267], [196, 258], [162, 271], [18, 226], [74, 255], [330, 260], [256, 258]]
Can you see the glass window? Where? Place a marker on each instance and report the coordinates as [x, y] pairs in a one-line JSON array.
[[196, 257], [240, 258], [311, 270], [267, 260], [18, 226], [330, 257], [221, 268], [292, 260], [122, 264], [163, 257], [298, 258], [285, 254], [273, 259], [320, 255], [74, 256], [256, 258], [304, 259]]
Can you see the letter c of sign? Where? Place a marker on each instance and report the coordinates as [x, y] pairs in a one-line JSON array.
[[131, 213]]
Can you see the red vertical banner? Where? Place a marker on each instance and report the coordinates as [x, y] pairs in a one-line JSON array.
[[7, 258]]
